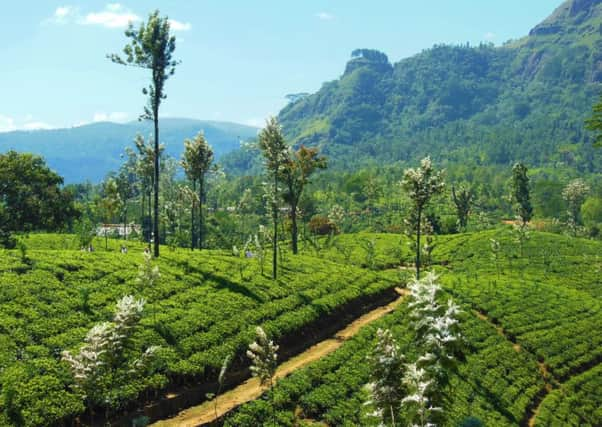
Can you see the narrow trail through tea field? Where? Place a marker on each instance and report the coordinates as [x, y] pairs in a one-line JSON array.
[[251, 389]]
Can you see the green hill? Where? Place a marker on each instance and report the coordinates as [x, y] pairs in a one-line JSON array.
[[481, 104], [88, 152]]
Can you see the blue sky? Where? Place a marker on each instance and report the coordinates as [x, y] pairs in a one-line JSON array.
[[239, 57]]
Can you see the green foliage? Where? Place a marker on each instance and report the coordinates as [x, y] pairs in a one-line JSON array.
[[205, 309], [152, 47], [275, 153], [32, 196], [575, 403], [421, 185], [196, 161], [521, 193], [498, 377], [482, 105]]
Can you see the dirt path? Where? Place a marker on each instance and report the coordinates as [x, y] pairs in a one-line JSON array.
[[250, 389]]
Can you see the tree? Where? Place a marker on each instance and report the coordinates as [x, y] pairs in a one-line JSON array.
[[462, 199], [421, 184], [295, 174], [574, 194], [264, 357], [521, 193], [275, 153], [100, 364], [386, 369], [126, 183], [144, 166], [594, 123], [417, 402], [196, 161], [152, 47], [32, 196]]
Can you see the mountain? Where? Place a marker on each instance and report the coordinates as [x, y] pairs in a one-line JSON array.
[[88, 152], [525, 100]]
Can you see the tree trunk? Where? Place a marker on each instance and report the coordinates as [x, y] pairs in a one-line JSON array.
[[192, 219], [201, 216], [156, 183], [418, 230], [150, 214], [142, 209], [125, 222], [275, 240], [294, 231]]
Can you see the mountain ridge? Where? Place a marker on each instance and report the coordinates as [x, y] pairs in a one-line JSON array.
[[525, 100], [90, 151]]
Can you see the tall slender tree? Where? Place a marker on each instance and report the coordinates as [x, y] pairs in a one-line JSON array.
[[151, 47], [196, 161], [463, 199], [275, 153], [295, 174], [575, 193], [521, 193], [421, 184]]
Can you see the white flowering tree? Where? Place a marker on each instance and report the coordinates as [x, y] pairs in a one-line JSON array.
[[436, 325], [100, 366], [264, 357], [574, 194], [148, 274], [276, 155], [386, 368], [417, 403], [421, 184]]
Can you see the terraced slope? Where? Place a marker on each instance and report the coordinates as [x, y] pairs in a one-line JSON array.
[[204, 308], [532, 328]]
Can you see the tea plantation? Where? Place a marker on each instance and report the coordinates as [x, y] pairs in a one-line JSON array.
[[204, 307], [532, 327]]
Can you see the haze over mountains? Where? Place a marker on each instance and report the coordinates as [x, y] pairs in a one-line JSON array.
[[90, 151]]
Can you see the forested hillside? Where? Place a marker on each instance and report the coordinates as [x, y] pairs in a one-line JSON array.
[[89, 152], [483, 105]]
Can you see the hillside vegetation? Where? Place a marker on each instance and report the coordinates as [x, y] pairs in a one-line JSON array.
[[203, 308], [89, 152], [530, 330], [483, 105]]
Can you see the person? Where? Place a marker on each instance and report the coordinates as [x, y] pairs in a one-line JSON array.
[[90, 248], [146, 250], [248, 254]]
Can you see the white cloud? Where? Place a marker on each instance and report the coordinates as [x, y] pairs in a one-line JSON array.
[[62, 12], [7, 124], [324, 16], [117, 116], [114, 16], [179, 26], [61, 15], [255, 122], [36, 126], [489, 36]]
